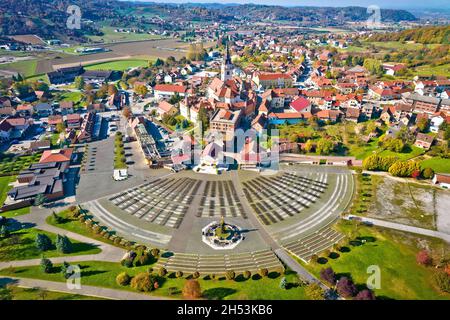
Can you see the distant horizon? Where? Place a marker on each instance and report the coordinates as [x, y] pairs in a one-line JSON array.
[[384, 4]]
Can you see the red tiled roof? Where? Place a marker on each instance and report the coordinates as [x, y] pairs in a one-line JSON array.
[[273, 76], [61, 155], [170, 88], [300, 104]]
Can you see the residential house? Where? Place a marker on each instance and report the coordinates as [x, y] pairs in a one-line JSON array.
[[166, 91], [424, 141], [301, 104], [73, 121], [66, 107], [43, 109], [165, 108], [442, 179]]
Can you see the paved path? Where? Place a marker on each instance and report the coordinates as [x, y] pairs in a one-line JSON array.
[[107, 293], [295, 266], [38, 216], [402, 227]]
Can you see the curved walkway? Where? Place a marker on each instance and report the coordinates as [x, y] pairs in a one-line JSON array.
[[402, 227], [92, 291], [37, 217]]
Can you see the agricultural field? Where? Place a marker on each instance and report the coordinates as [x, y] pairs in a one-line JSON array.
[[120, 65], [427, 70], [25, 67], [394, 252], [110, 36]]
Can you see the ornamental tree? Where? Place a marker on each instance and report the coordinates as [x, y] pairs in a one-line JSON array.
[[328, 275], [423, 257], [346, 288], [365, 294], [191, 289]]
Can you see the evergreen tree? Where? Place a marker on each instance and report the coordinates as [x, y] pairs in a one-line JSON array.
[[39, 200], [63, 244], [46, 265], [43, 242], [4, 232]]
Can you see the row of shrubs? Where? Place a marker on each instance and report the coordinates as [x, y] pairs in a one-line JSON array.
[[82, 216], [119, 152]]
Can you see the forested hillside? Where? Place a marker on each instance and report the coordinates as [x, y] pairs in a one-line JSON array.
[[425, 35]]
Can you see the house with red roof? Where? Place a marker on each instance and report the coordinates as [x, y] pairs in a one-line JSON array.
[[165, 107], [272, 80], [442, 179], [64, 156], [301, 104], [166, 91]]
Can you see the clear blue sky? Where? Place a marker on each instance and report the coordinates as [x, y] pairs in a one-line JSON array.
[[402, 4]]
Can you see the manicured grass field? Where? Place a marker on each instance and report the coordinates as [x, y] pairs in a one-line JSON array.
[[73, 225], [120, 65], [103, 274], [439, 165], [24, 247], [15, 213], [395, 254], [19, 293], [414, 152], [4, 188]]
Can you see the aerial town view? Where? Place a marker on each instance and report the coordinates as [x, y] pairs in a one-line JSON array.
[[224, 150]]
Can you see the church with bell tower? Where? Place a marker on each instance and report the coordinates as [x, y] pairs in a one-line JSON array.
[[227, 66]]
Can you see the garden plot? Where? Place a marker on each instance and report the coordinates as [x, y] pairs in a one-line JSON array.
[[405, 203]]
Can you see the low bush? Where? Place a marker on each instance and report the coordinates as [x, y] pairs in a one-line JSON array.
[[123, 279]]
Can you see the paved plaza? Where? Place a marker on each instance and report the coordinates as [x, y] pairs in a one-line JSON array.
[[293, 210]]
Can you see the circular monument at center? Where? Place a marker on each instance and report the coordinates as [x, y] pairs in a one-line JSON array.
[[221, 235]]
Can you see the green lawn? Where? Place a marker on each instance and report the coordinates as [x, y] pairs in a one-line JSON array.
[[21, 246], [73, 225], [427, 70], [19, 293], [120, 65], [103, 274], [414, 152], [361, 152], [39, 77], [4, 187], [15, 213], [24, 67], [74, 96], [395, 254], [439, 165]]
